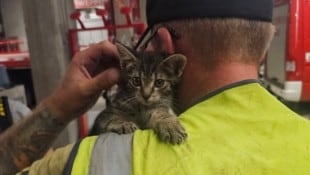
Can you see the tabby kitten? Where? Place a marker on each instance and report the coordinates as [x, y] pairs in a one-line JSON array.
[[145, 96]]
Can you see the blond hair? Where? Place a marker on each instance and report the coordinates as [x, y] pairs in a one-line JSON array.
[[228, 39]]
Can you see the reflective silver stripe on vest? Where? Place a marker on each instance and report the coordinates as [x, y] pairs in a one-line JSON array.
[[112, 155]]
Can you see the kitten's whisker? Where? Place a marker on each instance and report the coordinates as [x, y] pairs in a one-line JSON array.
[[128, 100]]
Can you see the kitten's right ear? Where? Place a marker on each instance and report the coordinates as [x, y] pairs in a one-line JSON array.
[[126, 57], [174, 64]]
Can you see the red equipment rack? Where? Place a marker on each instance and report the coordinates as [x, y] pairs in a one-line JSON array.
[[138, 27], [10, 54]]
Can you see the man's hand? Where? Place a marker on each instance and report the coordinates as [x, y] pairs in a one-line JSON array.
[[90, 72]]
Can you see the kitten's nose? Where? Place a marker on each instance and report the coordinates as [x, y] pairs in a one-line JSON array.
[[146, 96], [146, 92]]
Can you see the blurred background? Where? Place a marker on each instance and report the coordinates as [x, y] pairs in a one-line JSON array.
[[38, 39]]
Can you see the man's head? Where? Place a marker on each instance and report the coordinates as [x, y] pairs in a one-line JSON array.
[[218, 30]]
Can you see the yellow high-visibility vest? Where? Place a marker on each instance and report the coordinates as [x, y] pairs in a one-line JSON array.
[[241, 130]]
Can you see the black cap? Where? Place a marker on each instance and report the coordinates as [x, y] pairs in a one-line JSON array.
[[167, 10]]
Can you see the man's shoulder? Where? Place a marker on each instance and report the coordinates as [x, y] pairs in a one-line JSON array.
[[52, 164]]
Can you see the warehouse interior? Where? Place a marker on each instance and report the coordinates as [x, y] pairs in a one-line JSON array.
[[38, 39]]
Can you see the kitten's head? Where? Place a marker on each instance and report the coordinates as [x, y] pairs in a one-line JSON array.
[[150, 77]]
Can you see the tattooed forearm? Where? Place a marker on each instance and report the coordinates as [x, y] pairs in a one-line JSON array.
[[28, 140]]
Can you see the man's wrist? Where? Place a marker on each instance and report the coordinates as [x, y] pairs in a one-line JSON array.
[[56, 109], [51, 114]]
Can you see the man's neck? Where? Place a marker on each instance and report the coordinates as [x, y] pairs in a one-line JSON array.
[[198, 82]]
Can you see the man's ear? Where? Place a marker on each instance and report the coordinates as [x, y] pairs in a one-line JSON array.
[[166, 42], [126, 56], [174, 64]]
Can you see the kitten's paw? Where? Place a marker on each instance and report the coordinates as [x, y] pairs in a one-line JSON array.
[[122, 127], [170, 131]]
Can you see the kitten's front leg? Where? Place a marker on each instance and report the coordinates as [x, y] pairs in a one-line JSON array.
[[121, 126], [167, 127], [110, 122]]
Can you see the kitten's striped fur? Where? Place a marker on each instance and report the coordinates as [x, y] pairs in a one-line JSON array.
[[145, 96]]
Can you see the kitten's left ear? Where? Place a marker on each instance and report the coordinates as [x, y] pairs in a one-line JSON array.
[[175, 64], [127, 58]]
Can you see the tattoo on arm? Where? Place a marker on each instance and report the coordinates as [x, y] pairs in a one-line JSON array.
[[28, 140]]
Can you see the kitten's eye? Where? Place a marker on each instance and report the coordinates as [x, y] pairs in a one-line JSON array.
[[136, 81], [159, 83]]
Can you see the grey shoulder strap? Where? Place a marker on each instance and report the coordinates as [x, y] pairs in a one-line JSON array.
[[112, 155]]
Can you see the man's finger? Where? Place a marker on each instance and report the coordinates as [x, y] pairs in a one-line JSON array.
[[105, 80], [98, 57], [101, 50]]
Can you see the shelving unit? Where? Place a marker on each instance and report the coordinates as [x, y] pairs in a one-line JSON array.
[[11, 56]]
